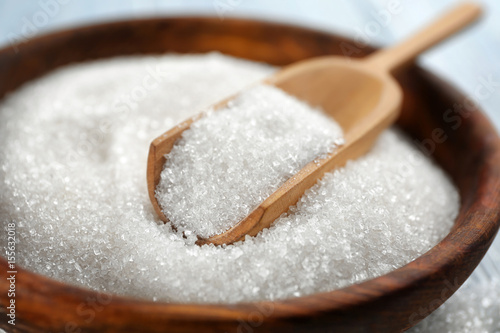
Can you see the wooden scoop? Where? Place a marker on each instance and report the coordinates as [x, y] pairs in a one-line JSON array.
[[360, 95]]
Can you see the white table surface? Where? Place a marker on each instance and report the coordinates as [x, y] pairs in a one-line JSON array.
[[466, 61]]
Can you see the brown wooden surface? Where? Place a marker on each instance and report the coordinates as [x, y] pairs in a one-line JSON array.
[[471, 155]]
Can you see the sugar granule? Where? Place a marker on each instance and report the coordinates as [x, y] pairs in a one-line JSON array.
[[231, 160], [78, 192]]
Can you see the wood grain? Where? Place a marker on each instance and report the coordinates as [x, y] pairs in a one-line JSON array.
[[393, 302]]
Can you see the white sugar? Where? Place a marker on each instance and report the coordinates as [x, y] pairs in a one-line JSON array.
[[474, 308], [231, 160], [78, 192]]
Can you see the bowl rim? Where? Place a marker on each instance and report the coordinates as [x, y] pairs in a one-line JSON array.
[[423, 268]]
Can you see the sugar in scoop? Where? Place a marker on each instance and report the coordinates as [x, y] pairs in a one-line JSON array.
[[232, 159]]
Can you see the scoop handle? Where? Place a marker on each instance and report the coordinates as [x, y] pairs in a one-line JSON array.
[[393, 58]]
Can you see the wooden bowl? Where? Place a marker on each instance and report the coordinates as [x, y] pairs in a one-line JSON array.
[[470, 154]]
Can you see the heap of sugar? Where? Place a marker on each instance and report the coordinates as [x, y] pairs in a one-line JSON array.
[[79, 198], [231, 160], [474, 308]]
